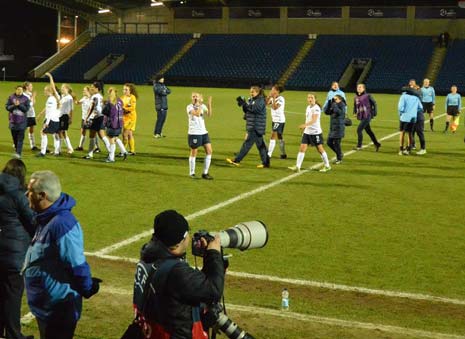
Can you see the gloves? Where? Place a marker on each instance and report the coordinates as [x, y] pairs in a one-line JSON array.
[[240, 101], [94, 288]]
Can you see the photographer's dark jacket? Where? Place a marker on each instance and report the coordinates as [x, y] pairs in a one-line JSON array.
[[185, 287], [161, 92], [255, 114], [336, 123], [16, 219]]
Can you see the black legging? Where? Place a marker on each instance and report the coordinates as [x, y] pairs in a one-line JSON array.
[[365, 125], [335, 145]]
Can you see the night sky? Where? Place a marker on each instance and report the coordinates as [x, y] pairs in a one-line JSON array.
[[29, 33]]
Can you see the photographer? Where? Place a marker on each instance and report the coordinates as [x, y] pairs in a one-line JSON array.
[[255, 115], [170, 305]]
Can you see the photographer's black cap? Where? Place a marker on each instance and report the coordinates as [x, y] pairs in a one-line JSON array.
[[170, 227]]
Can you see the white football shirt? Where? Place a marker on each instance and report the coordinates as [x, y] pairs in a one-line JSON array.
[[314, 128], [196, 123]]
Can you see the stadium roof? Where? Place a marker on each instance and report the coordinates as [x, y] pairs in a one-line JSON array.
[[91, 7]]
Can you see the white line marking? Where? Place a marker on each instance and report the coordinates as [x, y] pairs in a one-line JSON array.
[[27, 318], [317, 319], [318, 284], [344, 323]]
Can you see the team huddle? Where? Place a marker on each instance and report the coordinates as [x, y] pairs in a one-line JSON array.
[[107, 118]]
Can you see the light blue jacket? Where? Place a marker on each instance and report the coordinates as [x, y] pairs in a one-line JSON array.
[[454, 100], [331, 94], [428, 94], [409, 106]]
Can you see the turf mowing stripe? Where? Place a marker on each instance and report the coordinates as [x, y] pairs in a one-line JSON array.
[[320, 320], [317, 284], [239, 197]]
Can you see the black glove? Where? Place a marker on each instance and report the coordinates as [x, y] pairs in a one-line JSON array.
[[94, 288], [240, 101]]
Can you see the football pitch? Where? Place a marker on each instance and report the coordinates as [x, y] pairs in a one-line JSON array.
[[374, 248]]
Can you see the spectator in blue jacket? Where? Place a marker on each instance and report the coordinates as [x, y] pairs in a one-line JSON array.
[[18, 105], [335, 90], [161, 93], [16, 221], [409, 107], [56, 273], [255, 115]]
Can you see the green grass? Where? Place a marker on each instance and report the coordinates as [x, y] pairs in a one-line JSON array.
[[379, 220]]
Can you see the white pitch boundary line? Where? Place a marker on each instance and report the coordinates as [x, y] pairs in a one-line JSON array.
[[321, 320], [318, 284]]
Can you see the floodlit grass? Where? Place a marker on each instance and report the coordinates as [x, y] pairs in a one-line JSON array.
[[379, 220]]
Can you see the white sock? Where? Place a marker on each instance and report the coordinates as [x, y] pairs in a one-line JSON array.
[[121, 145], [68, 144], [82, 141], [206, 164], [112, 152], [56, 143], [191, 165], [32, 141], [300, 159], [271, 147], [107, 143], [91, 146], [43, 143], [325, 159], [281, 146]]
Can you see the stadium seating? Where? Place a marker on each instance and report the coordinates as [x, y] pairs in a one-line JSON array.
[[230, 58], [453, 69], [145, 54], [396, 59]]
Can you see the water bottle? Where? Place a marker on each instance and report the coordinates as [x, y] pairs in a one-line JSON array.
[[285, 299]]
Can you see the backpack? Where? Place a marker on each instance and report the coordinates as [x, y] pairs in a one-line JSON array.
[[147, 281]]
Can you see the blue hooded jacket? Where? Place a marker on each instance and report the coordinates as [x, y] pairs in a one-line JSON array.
[[55, 269], [409, 106]]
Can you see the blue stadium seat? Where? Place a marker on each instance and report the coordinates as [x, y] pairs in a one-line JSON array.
[[145, 54], [453, 69], [396, 59]]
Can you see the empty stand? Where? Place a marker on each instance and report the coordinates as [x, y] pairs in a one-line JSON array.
[[453, 69], [145, 54], [237, 59], [396, 59]]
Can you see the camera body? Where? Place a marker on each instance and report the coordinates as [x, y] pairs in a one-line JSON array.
[[197, 248]]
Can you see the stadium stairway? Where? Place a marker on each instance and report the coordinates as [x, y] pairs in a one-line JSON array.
[[294, 64], [177, 56], [437, 59], [62, 56]]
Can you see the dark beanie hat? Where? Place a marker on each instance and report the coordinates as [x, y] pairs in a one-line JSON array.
[[170, 227]]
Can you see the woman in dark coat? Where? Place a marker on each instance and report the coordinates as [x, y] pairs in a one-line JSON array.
[[16, 220], [337, 114]]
